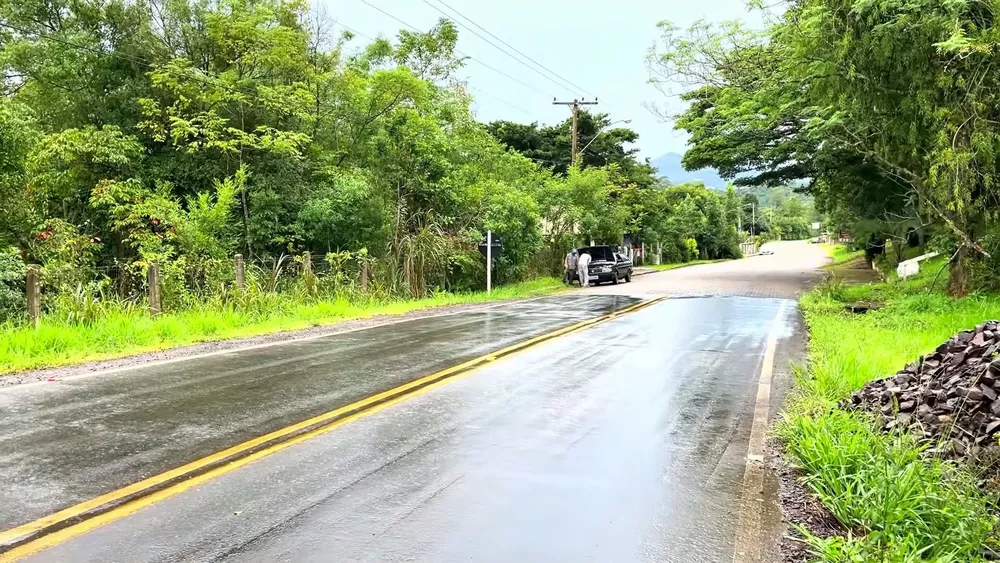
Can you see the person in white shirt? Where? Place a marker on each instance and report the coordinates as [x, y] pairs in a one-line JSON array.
[[583, 269]]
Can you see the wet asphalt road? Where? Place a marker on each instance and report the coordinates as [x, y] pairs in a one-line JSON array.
[[623, 442], [66, 442]]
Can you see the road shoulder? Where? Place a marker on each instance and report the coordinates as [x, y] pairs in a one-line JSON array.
[[188, 351]]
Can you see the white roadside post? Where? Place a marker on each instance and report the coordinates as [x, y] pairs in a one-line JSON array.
[[911, 267], [489, 262]]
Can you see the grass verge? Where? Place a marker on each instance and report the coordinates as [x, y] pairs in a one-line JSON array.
[[900, 505], [120, 334], [841, 253]]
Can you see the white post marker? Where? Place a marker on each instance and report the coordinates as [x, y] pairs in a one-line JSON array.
[[489, 262], [911, 267]]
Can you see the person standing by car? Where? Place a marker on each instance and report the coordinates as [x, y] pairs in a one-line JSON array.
[[569, 265], [583, 269]]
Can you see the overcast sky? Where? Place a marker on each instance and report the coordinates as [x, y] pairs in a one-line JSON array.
[[599, 45]]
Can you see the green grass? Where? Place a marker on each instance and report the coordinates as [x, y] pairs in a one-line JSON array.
[[841, 253], [899, 505], [118, 333], [674, 266]]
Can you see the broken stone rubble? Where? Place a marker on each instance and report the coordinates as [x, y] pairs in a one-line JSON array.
[[950, 396]]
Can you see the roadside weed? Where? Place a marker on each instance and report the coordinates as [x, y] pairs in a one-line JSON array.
[[900, 505]]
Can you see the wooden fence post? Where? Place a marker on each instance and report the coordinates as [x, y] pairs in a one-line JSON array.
[[364, 277], [34, 291], [155, 304], [241, 280]]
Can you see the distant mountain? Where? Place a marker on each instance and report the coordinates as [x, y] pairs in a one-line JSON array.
[[669, 166]]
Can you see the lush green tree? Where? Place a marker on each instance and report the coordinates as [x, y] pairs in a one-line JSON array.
[[750, 115], [183, 131], [604, 145], [887, 107]]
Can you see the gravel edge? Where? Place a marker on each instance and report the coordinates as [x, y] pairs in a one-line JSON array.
[[799, 507]]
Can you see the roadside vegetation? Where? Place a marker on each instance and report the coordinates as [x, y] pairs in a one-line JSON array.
[[131, 330], [172, 136], [841, 253], [899, 503], [886, 113]]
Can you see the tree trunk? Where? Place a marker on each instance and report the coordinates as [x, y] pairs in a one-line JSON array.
[[958, 276]]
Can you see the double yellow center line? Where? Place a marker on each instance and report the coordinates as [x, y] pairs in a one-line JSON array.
[[59, 527]]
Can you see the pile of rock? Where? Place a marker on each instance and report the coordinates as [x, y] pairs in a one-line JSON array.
[[950, 394]]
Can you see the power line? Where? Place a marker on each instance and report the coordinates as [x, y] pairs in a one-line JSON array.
[[540, 65], [460, 53], [497, 47], [502, 101], [502, 73], [354, 31], [469, 86]]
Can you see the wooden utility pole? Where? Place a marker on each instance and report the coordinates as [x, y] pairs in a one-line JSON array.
[[155, 298], [241, 280], [32, 285], [575, 106]]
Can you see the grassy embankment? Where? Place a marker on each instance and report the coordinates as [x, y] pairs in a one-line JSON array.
[[123, 333], [899, 505], [841, 253]]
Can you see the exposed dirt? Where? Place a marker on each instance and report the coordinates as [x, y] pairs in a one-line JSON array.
[[856, 271], [798, 507], [207, 347], [862, 307]]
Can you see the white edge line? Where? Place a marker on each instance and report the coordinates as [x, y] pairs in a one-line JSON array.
[[748, 525]]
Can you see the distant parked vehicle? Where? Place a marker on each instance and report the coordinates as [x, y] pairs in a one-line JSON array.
[[606, 265], [766, 251]]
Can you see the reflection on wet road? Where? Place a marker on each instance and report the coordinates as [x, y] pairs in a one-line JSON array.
[[66, 442], [624, 442]]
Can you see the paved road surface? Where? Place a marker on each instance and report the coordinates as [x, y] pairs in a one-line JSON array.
[[783, 274], [66, 442], [623, 442]]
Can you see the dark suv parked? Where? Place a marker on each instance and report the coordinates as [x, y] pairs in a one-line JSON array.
[[606, 265]]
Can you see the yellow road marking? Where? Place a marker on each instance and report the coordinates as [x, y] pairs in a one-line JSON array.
[[79, 519]]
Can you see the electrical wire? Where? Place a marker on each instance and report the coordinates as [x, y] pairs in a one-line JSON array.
[[515, 49], [471, 87], [206, 79], [460, 53], [502, 101], [354, 31], [501, 49]]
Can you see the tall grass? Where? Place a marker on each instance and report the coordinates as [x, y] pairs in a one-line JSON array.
[[899, 504], [842, 253], [130, 330]]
